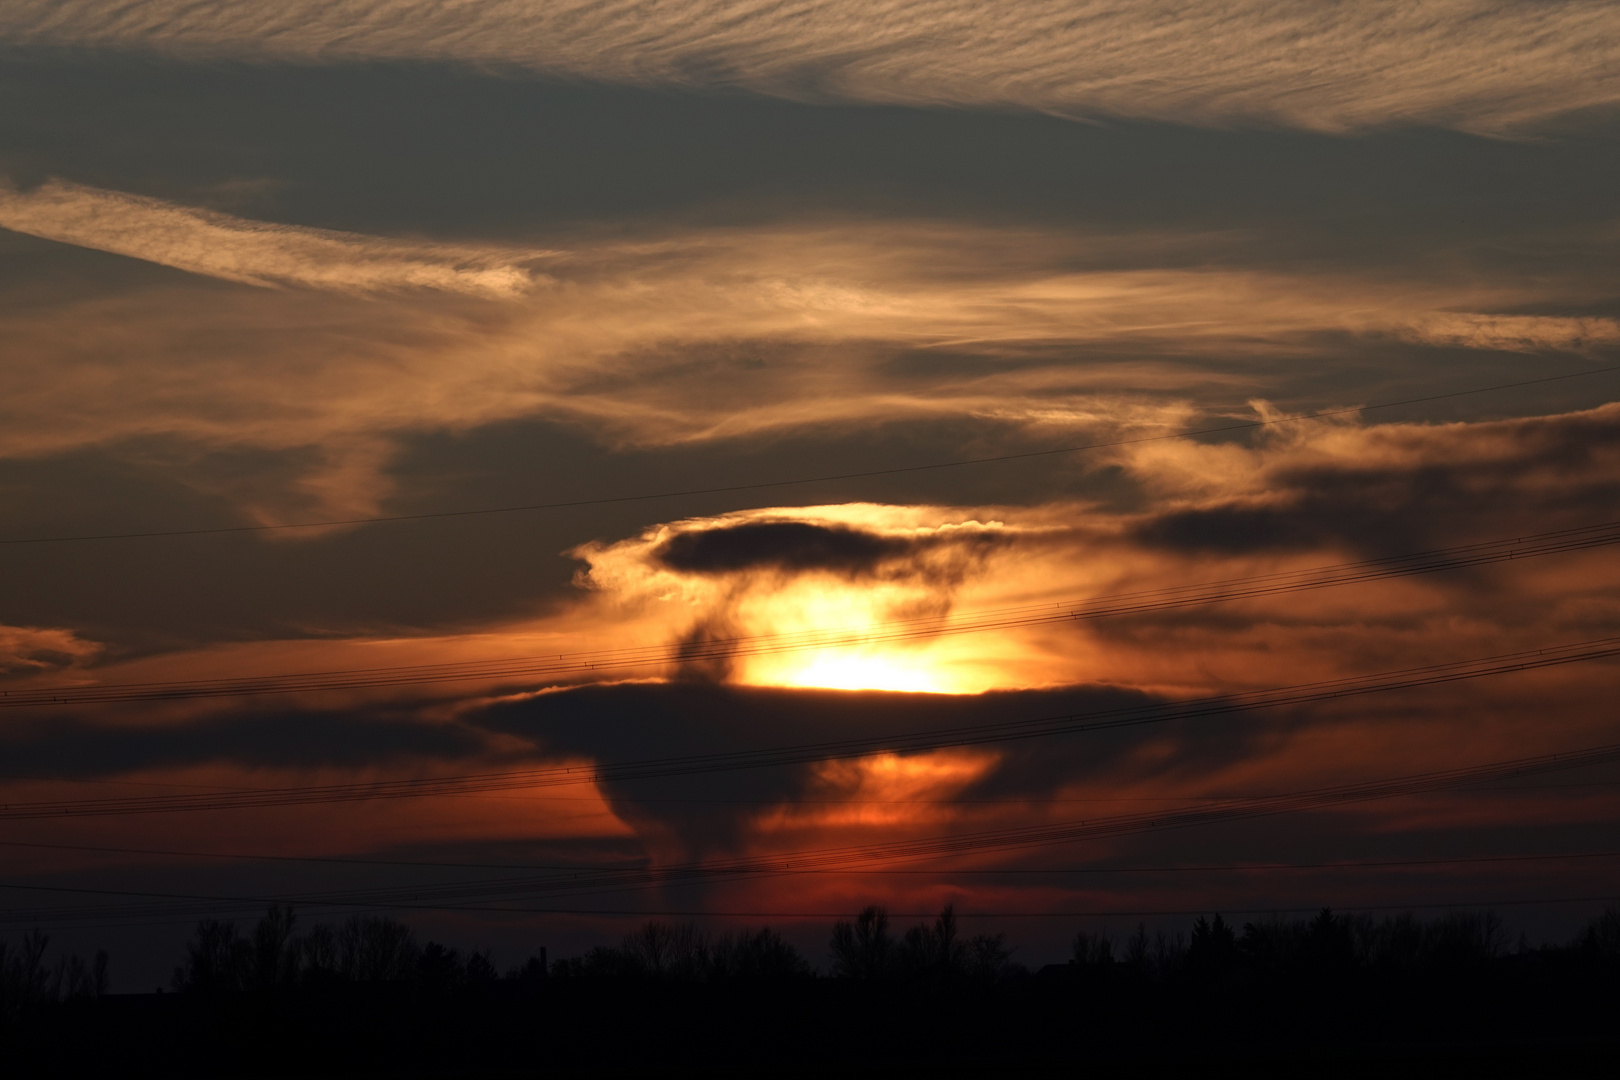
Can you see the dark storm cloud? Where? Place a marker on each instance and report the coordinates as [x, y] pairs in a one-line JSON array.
[[612, 724], [710, 811], [1420, 486], [636, 722], [798, 546], [249, 737]]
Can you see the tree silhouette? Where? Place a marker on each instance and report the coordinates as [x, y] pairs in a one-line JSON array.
[[1392, 944], [1169, 955], [756, 955], [318, 950], [1213, 952], [664, 951], [28, 984], [1139, 952], [276, 953], [481, 971], [863, 949], [439, 968], [1093, 949], [1329, 945], [1464, 939], [1272, 946], [931, 952], [988, 959], [1602, 935], [267, 996], [373, 949], [218, 960]]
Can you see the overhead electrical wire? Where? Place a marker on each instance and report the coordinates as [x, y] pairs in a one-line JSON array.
[[999, 840], [489, 894], [803, 753], [236, 905], [507, 669], [806, 480], [837, 860], [338, 860], [1321, 577]]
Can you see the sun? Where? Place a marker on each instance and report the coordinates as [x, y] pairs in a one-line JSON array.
[[929, 668], [849, 669]]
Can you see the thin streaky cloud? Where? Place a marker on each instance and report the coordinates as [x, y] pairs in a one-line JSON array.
[[256, 252], [651, 341], [1480, 65]]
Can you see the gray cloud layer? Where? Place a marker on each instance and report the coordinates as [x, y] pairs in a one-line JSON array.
[[1473, 64]]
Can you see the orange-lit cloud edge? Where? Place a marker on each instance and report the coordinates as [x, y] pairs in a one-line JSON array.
[[992, 558], [379, 339]]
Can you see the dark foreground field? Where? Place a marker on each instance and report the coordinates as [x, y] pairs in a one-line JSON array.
[[1537, 1021], [1333, 996]]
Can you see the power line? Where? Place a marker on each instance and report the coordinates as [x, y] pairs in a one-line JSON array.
[[995, 840], [1207, 868], [243, 903], [45, 916], [1466, 556], [593, 800], [464, 895], [967, 735], [801, 481]]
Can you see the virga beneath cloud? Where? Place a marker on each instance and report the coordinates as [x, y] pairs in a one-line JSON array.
[[1296, 497]]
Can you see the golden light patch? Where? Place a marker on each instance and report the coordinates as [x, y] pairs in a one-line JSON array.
[[883, 790], [862, 670]]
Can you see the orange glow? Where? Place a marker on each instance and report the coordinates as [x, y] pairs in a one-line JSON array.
[[884, 790], [848, 669]]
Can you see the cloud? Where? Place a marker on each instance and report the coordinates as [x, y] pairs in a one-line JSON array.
[[31, 650], [1475, 64], [794, 572], [1385, 489], [1294, 498], [869, 590], [803, 546], [255, 252], [264, 737], [787, 545], [650, 721], [688, 337]]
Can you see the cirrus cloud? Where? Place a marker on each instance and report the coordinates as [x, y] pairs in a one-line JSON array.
[[256, 252], [687, 336], [1482, 65]]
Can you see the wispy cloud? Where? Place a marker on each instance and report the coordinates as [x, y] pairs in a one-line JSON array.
[[33, 650], [1474, 64], [256, 252], [686, 337]]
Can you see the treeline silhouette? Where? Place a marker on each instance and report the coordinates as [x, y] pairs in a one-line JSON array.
[[363, 994], [28, 982]]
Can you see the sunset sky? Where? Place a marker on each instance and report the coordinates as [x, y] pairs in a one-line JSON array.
[[790, 400]]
